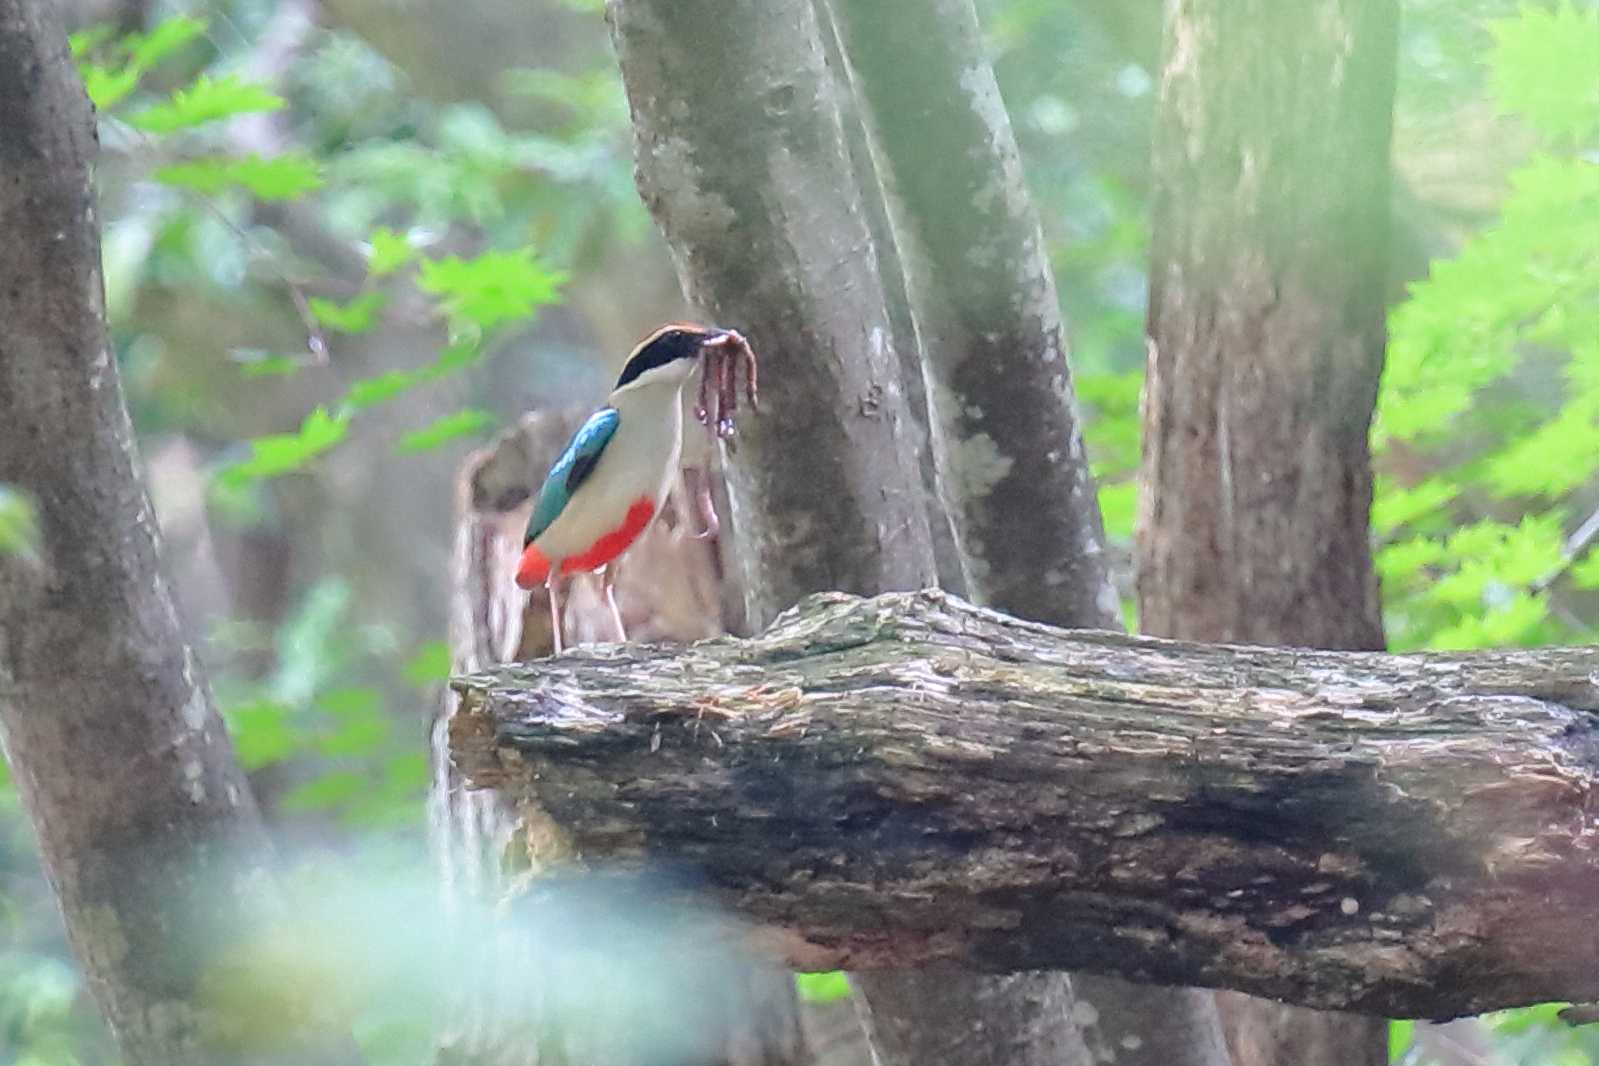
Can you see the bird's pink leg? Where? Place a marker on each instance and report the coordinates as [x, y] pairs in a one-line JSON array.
[[706, 506], [608, 583], [551, 586]]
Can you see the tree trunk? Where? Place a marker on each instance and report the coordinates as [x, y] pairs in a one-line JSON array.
[[1269, 274], [743, 161], [146, 823], [988, 318], [911, 780], [1011, 473]]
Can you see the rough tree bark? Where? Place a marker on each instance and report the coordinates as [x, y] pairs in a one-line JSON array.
[[909, 779], [988, 317], [1011, 473], [742, 159], [1268, 282], [148, 829]]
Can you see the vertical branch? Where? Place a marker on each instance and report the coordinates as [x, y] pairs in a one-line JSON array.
[[988, 317], [743, 161], [148, 829], [1270, 268]]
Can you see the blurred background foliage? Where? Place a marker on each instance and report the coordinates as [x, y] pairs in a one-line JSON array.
[[345, 239]]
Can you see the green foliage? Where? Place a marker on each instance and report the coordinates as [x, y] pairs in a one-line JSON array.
[[493, 288], [19, 523], [822, 987], [467, 423], [284, 453], [284, 177], [354, 316], [1543, 69], [207, 99], [1491, 339], [122, 63]]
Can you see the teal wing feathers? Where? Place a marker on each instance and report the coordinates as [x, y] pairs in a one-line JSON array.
[[574, 466]]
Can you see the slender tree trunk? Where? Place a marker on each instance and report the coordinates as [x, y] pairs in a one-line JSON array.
[[743, 160], [1011, 473], [1269, 273], [149, 833]]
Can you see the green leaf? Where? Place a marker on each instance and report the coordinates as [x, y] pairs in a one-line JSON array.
[[380, 387], [1406, 558], [146, 50], [86, 40], [388, 252], [357, 316], [822, 987], [282, 177], [284, 453], [265, 365], [19, 523], [1542, 67], [206, 100], [328, 790], [494, 287], [262, 732], [451, 427], [1119, 506], [430, 665], [1401, 1033], [1397, 506], [108, 86]]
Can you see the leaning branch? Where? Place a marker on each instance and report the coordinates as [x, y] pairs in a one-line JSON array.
[[906, 780]]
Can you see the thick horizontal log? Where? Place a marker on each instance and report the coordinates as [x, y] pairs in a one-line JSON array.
[[909, 780]]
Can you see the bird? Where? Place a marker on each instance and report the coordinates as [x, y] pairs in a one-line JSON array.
[[612, 478]]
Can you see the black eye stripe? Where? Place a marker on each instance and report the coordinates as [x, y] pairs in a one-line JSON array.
[[668, 347]]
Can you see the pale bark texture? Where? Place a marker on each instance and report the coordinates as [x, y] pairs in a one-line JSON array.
[[1269, 273], [947, 784], [987, 315], [1011, 473], [743, 161], [668, 591], [149, 833]]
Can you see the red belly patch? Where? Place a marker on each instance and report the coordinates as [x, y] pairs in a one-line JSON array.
[[534, 567]]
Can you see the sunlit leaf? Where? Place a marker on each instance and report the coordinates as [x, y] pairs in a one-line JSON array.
[[206, 100], [148, 49], [282, 177], [108, 86], [262, 732], [822, 987], [466, 423], [356, 316], [1401, 1033], [492, 288], [1543, 68], [86, 40], [284, 453], [388, 252]]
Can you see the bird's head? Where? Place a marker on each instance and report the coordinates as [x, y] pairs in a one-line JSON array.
[[670, 355]]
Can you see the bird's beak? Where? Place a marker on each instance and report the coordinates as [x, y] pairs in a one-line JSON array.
[[718, 338]]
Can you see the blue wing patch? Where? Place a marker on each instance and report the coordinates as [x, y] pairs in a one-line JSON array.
[[574, 466]]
